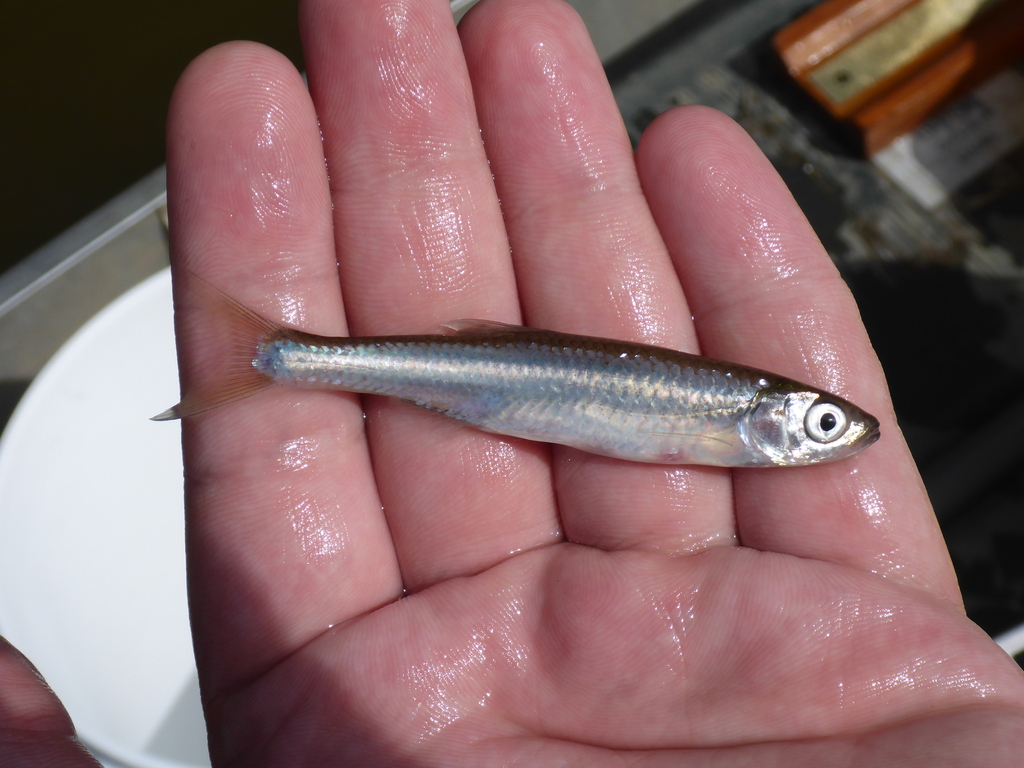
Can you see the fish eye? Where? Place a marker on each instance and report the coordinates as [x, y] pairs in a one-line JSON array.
[[825, 422]]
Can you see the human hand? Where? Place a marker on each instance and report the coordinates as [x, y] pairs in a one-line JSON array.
[[407, 591]]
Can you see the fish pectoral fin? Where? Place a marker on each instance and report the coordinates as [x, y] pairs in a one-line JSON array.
[[469, 325], [695, 436]]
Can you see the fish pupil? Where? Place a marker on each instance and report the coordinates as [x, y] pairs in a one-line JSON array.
[[828, 422]]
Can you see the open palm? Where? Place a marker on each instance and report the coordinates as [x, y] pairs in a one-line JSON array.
[[406, 591]]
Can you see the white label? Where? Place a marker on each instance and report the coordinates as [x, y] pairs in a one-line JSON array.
[[958, 144]]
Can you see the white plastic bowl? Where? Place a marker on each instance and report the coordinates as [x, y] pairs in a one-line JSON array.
[[92, 562]]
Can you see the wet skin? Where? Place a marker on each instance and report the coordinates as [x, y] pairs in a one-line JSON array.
[[407, 591]]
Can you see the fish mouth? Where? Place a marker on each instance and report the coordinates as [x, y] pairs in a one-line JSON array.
[[872, 432]]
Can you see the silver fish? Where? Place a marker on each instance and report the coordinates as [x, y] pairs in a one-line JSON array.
[[614, 398]]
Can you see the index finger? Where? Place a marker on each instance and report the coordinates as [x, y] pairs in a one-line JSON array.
[[270, 530], [764, 292]]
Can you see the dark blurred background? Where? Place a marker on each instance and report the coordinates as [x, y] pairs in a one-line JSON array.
[[84, 94]]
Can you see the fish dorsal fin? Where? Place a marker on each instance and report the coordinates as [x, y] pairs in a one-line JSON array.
[[467, 326]]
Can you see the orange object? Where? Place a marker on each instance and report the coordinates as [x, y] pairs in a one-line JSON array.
[[886, 66]]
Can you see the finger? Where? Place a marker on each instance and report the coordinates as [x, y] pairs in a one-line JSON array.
[[764, 293], [271, 530], [35, 730], [588, 256], [420, 241]]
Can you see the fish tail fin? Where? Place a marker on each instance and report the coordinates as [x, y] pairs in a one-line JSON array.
[[231, 334]]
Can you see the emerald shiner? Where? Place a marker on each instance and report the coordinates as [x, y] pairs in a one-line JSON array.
[[614, 398]]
